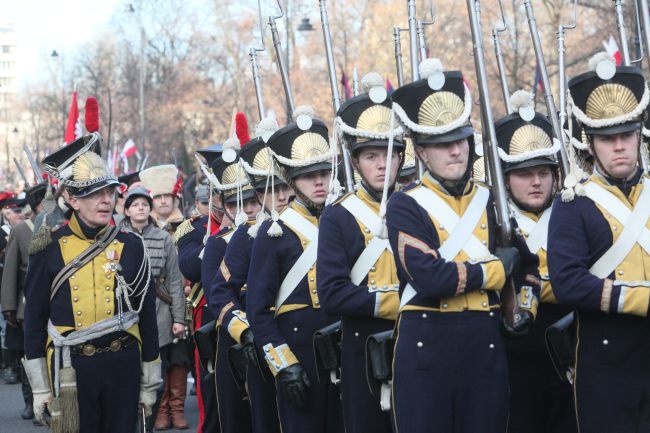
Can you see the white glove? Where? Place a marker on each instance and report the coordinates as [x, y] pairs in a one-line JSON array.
[[150, 381], [37, 373]]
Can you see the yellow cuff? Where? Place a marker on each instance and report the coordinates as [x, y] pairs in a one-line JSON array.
[[387, 305], [279, 358], [527, 300], [494, 275], [237, 325], [633, 300]]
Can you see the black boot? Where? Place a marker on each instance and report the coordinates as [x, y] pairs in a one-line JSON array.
[[28, 412]]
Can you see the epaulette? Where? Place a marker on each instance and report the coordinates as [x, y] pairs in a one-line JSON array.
[[184, 228], [41, 240], [343, 197], [227, 232]]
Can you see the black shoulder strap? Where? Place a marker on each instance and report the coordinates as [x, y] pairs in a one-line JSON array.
[[86, 256]]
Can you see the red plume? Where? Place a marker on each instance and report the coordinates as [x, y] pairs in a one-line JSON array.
[[92, 114], [241, 128]]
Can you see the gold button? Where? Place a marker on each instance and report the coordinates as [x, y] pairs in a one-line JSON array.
[[108, 288], [75, 299], [75, 287], [482, 292], [108, 312], [442, 227], [79, 325], [245, 286], [317, 304], [65, 241], [614, 228], [483, 226], [484, 304], [372, 282], [304, 242], [484, 242], [445, 306], [367, 230], [108, 300], [78, 313], [373, 269], [114, 242], [311, 280], [72, 277], [620, 272], [313, 291], [311, 268]]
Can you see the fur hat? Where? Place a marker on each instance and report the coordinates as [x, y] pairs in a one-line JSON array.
[[160, 179]]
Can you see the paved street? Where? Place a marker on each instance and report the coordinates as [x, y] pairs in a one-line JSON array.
[[11, 404]]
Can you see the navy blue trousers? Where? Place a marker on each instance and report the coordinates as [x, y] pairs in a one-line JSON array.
[[234, 411], [261, 395], [361, 410], [612, 383], [108, 389], [322, 414], [450, 373], [539, 401]]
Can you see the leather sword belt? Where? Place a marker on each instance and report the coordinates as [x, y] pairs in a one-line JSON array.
[[90, 349]]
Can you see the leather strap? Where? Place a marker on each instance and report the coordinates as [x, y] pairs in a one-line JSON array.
[[82, 259], [461, 229], [305, 228], [537, 230], [375, 247], [634, 227]]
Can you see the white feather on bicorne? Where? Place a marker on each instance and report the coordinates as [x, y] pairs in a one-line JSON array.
[[370, 80], [266, 128], [522, 99], [600, 57], [429, 67]]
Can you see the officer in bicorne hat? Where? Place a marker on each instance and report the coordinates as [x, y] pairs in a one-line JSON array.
[[91, 339], [598, 256], [450, 368]]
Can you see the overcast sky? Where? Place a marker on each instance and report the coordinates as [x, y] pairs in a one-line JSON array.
[[46, 25]]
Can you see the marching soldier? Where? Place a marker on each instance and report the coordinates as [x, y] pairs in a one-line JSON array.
[[11, 291], [227, 296], [282, 302], [91, 339], [170, 304], [598, 254], [539, 400], [240, 202], [450, 368], [357, 278], [192, 247]]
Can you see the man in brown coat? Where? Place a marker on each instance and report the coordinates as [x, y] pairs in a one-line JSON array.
[[12, 298]]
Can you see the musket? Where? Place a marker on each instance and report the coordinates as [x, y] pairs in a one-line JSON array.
[[336, 99], [491, 151], [110, 120], [355, 82], [499, 28], [422, 44], [281, 64], [256, 70], [38, 173], [638, 39], [561, 49], [22, 173], [548, 94], [620, 22], [397, 40], [413, 46]]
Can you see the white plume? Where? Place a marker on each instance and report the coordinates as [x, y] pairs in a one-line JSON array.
[[600, 57], [429, 67], [303, 110], [522, 98], [370, 80]]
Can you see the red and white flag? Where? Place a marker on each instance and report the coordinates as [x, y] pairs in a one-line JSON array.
[[129, 149], [73, 129], [612, 49]]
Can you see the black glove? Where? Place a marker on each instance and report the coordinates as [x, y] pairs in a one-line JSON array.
[[10, 317], [248, 346], [521, 327], [509, 256], [295, 382]]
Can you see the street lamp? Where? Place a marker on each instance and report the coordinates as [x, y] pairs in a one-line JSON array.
[[305, 26]]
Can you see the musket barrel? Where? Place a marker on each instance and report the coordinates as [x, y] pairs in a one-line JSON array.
[[256, 79], [398, 56], [548, 95], [489, 133], [620, 22], [502, 70], [291, 106], [415, 72]]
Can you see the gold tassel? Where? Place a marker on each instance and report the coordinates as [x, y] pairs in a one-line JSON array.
[[69, 402], [56, 423]]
